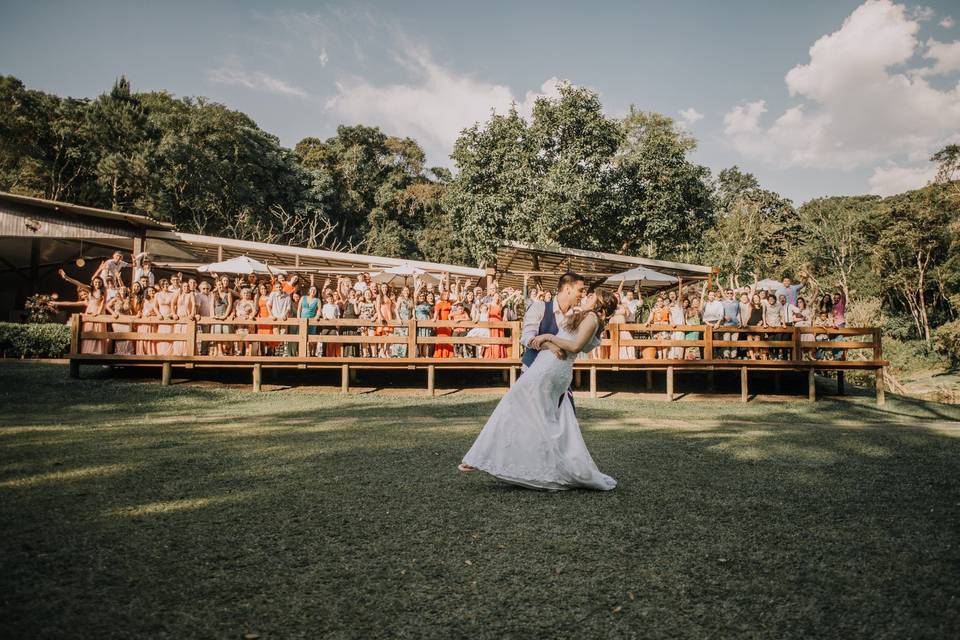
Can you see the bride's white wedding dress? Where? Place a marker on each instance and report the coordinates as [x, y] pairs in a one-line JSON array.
[[532, 442]]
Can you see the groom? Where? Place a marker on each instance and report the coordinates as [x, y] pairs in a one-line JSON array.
[[542, 317]]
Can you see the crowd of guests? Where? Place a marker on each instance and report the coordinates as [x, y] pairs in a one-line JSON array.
[[385, 309], [246, 300], [732, 314]]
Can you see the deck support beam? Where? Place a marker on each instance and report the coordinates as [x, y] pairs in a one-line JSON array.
[[669, 384], [166, 373], [431, 379], [649, 380], [881, 394], [812, 384], [513, 376], [593, 382], [257, 377], [744, 385], [345, 378]]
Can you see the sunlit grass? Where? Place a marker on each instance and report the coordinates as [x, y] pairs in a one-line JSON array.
[[135, 510]]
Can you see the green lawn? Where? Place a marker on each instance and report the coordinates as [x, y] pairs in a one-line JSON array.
[[135, 510]]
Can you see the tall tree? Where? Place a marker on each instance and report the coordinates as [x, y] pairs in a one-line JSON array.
[[755, 229], [665, 203], [834, 245]]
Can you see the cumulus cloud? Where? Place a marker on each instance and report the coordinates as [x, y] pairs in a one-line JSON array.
[[947, 22], [689, 116], [434, 106], [237, 76], [857, 102], [893, 179], [946, 55]]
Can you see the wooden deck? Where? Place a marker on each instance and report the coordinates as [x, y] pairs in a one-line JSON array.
[[857, 349]]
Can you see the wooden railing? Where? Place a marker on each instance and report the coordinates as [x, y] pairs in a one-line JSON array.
[[353, 344]]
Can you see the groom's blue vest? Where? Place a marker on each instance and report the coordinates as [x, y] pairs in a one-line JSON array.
[[548, 324]]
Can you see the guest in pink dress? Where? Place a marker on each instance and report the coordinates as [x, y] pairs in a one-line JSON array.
[[96, 301]]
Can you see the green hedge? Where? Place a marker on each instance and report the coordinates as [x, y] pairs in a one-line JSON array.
[[34, 340]]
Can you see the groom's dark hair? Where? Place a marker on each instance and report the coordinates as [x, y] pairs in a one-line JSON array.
[[570, 278]]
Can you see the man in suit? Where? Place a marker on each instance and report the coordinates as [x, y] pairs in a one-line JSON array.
[[545, 317]]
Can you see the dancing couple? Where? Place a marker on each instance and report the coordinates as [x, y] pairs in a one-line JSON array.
[[533, 439]]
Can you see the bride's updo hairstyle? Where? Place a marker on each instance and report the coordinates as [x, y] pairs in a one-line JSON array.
[[605, 307]]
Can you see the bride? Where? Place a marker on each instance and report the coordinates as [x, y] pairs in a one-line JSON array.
[[531, 441]]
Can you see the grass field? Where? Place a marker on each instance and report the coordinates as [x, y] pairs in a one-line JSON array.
[[134, 510]]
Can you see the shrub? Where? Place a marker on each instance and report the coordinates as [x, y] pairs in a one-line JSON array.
[[34, 340], [946, 340]]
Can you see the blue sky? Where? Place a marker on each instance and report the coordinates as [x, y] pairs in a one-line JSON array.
[[815, 98]]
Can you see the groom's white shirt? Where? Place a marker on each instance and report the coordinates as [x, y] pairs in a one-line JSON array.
[[531, 321]]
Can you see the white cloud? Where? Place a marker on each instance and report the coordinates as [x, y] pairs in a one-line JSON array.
[[921, 13], [434, 106], [689, 116], [946, 55], [857, 104], [893, 179], [947, 22], [234, 75], [323, 57]]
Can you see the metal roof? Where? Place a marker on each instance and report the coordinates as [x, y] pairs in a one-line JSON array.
[[76, 210], [515, 259], [207, 249]]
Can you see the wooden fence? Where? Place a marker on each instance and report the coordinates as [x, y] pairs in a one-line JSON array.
[[407, 345]]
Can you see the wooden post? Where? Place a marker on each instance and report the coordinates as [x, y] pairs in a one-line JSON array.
[[877, 345], [840, 383], [75, 327], [513, 376], [515, 334], [669, 384], [411, 338], [192, 338], [431, 374], [776, 382], [74, 369], [257, 377], [303, 338], [593, 381], [345, 378], [578, 378], [797, 348], [708, 346], [881, 394], [711, 382], [614, 343], [812, 384], [649, 379], [744, 387], [166, 373]]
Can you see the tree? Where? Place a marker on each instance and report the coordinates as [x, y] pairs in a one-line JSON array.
[[755, 229], [834, 244], [912, 239], [574, 177]]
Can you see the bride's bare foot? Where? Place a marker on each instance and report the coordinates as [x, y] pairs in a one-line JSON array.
[[466, 468]]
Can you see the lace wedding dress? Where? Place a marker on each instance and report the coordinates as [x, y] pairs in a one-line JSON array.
[[531, 441]]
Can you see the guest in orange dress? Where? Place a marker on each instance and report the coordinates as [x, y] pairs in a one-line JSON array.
[[263, 311], [495, 313], [442, 312]]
